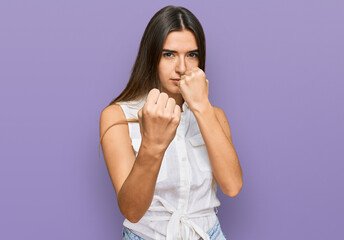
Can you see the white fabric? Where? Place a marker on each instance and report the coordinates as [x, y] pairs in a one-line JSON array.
[[185, 193]]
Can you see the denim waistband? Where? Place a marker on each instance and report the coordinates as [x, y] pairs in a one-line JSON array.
[[215, 233]]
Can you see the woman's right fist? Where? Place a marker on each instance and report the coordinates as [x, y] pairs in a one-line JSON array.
[[159, 118]]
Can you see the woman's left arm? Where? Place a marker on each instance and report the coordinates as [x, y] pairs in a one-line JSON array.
[[224, 161]]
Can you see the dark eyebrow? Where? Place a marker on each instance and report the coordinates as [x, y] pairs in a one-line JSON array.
[[172, 51]]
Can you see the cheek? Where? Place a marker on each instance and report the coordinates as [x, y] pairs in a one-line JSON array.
[[193, 63], [164, 69]]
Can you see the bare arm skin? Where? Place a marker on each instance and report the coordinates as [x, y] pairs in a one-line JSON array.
[[134, 179], [215, 131], [223, 158], [136, 193]]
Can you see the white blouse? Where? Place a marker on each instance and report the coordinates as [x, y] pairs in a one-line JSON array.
[[185, 193]]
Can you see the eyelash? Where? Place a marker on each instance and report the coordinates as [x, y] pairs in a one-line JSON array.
[[195, 55]]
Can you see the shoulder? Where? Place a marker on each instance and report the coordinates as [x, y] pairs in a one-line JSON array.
[[109, 115], [112, 112], [113, 109], [116, 145]]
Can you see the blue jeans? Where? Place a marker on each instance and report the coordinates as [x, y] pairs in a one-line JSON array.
[[215, 233]]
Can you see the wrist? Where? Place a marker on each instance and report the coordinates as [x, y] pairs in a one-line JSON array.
[[149, 156], [203, 108], [152, 149]]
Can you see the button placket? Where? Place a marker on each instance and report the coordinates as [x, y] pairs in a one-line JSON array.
[[184, 168]]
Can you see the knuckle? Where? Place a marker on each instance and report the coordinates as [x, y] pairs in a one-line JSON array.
[[175, 120], [153, 92], [149, 111], [169, 116], [164, 95], [160, 114], [172, 100]]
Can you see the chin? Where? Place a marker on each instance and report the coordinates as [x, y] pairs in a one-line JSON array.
[[172, 92], [173, 89]]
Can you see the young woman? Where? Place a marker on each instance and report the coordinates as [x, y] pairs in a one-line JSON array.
[[166, 147]]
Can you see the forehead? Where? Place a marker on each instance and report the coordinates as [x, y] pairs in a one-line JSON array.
[[180, 41]]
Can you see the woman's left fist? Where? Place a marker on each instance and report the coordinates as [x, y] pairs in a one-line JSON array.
[[194, 88]]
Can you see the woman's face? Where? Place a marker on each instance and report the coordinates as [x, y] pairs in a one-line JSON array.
[[179, 54]]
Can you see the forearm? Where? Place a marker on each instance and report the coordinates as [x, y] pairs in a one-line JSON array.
[[223, 158], [137, 191]]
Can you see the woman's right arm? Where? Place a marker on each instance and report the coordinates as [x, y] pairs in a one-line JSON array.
[[134, 180]]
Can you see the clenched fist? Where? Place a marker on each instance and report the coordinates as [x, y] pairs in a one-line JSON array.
[[194, 88], [158, 118]]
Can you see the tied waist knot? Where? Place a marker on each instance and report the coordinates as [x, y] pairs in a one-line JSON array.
[[177, 217]]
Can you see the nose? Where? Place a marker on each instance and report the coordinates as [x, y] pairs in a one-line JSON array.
[[181, 66]]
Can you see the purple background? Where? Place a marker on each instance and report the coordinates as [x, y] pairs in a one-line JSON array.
[[275, 67]]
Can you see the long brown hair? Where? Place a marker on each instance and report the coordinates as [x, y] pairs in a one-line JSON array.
[[144, 74]]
